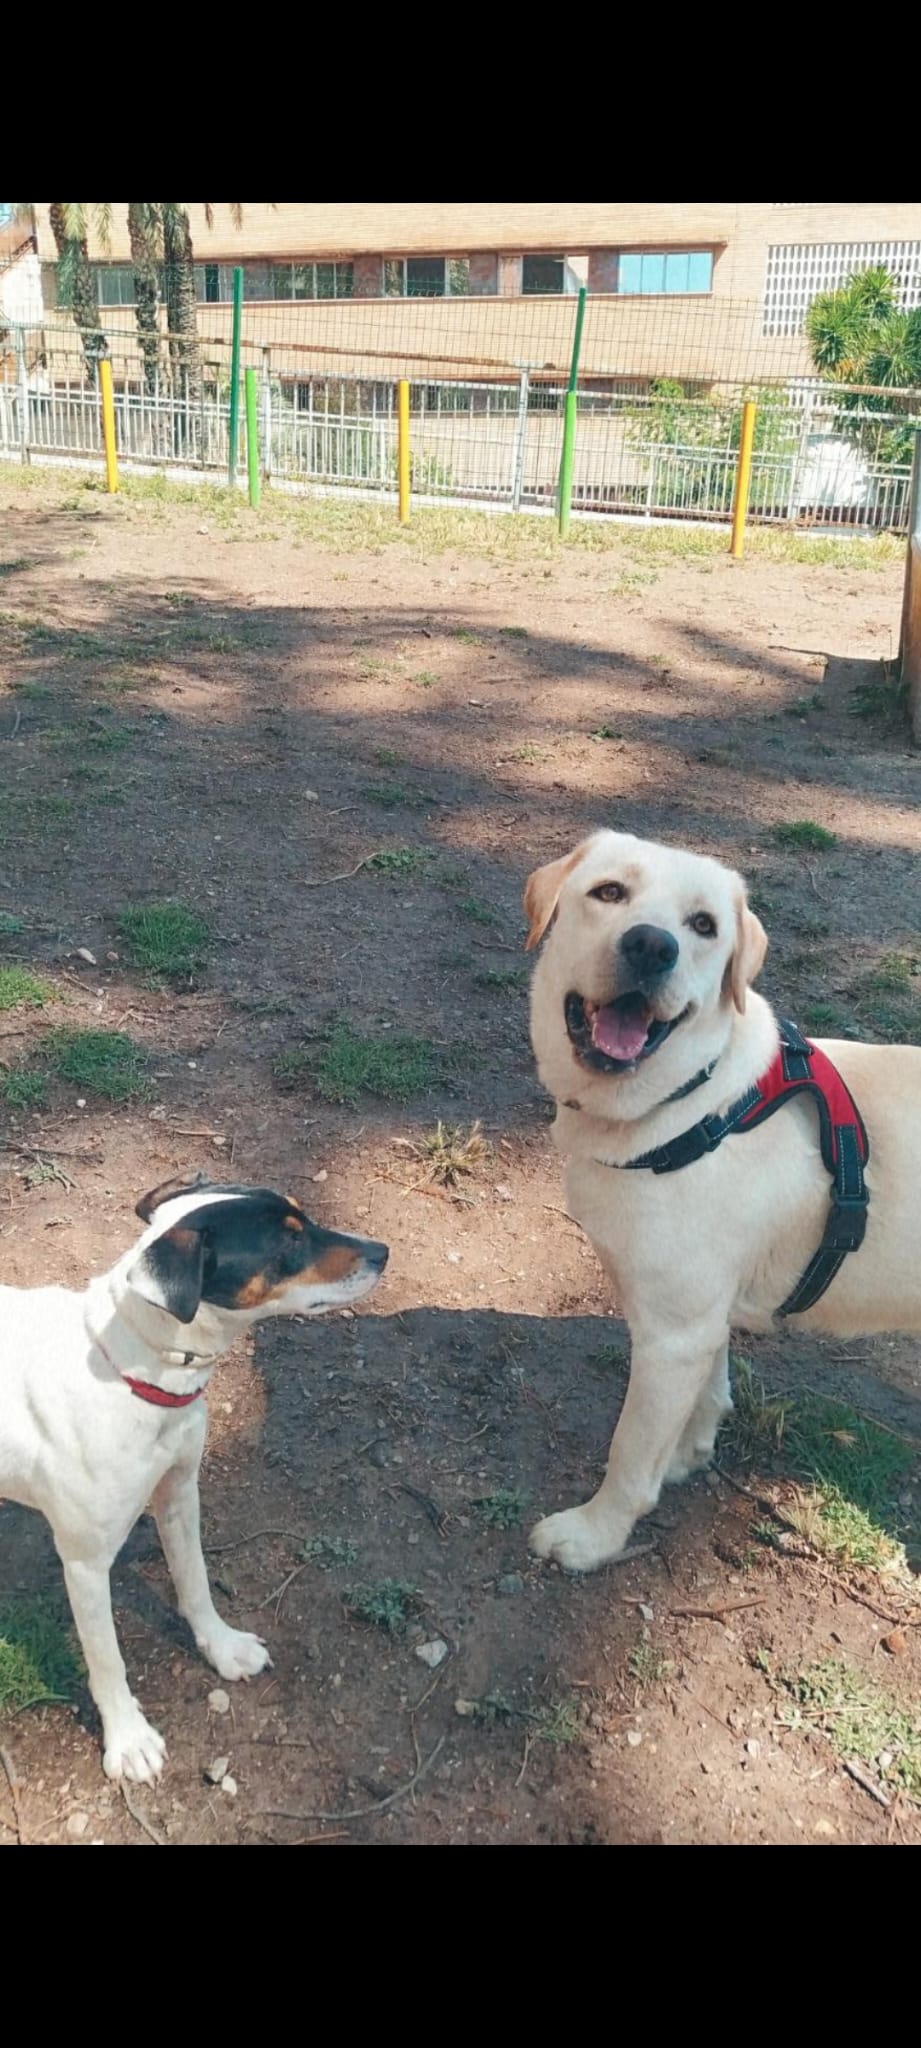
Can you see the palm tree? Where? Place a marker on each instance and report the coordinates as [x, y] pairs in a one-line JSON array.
[[181, 300], [145, 237], [76, 284]]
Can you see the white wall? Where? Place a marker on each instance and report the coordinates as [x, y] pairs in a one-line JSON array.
[[21, 291]]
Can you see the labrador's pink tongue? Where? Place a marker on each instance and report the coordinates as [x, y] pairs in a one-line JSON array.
[[619, 1029]]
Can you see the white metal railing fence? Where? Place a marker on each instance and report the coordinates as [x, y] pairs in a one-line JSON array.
[[817, 460]]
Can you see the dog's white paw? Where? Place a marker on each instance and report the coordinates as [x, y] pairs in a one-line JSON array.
[[576, 1540], [235, 1654], [134, 1749]]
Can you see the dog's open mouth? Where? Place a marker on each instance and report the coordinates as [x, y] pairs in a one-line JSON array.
[[614, 1037]]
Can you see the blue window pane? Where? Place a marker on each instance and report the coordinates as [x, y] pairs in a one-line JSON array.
[[676, 273], [700, 271], [630, 274], [653, 274]]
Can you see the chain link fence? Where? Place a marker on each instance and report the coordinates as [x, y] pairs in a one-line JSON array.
[[486, 432]]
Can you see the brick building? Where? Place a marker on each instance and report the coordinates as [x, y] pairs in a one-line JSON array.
[[706, 292]]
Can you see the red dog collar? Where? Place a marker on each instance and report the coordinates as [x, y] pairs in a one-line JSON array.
[[158, 1396]]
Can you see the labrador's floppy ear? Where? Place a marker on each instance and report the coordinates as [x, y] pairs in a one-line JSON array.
[[542, 893], [748, 954], [169, 1273]]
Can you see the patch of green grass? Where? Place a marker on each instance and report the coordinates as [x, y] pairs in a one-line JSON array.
[[105, 1063], [883, 699], [804, 833], [854, 1470], [477, 910], [897, 972], [24, 1089], [503, 977], [39, 1660], [605, 732], [387, 757], [19, 988], [464, 633], [863, 1722], [33, 693], [394, 1068], [647, 1665], [329, 1551], [802, 706], [849, 1470], [11, 925], [528, 753], [425, 679], [611, 1357], [164, 938], [108, 739], [387, 1605], [504, 1508], [347, 1066], [828, 1017], [555, 1721], [514, 632], [399, 860], [391, 795]]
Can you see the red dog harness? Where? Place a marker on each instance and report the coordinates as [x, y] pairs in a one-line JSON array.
[[800, 1068]]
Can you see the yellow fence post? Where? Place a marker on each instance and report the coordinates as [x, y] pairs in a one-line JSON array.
[[108, 424], [403, 449], [743, 479]]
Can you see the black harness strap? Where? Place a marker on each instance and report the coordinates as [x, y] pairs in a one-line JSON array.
[[800, 1068]]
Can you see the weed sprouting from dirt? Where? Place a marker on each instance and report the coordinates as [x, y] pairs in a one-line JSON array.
[[503, 1509], [387, 1605]]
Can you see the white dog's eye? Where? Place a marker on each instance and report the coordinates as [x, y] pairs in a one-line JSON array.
[[609, 892], [703, 924]]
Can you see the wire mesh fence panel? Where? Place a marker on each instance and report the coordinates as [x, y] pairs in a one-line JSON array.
[[658, 423]]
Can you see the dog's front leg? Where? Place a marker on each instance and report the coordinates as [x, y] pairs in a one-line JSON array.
[[175, 1505], [132, 1749], [669, 1370]]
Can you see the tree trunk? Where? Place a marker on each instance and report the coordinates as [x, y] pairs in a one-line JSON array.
[[78, 286], [143, 232], [181, 303]]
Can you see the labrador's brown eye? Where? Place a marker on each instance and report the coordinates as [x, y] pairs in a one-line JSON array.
[[703, 924], [609, 892]]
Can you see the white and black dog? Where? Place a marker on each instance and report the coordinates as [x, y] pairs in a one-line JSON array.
[[100, 1409]]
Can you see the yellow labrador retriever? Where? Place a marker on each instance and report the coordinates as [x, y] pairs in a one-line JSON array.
[[704, 1207]]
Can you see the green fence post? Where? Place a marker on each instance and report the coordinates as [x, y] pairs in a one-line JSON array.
[[235, 375], [569, 422], [252, 439]]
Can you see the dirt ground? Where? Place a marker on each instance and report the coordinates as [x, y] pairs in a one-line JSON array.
[[201, 703]]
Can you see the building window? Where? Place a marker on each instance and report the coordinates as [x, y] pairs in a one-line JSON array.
[[426, 277], [310, 280], [214, 283], [799, 271], [543, 274], [665, 272], [115, 284]]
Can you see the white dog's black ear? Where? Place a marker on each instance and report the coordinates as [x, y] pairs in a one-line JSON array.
[[542, 893], [748, 954], [169, 1273], [167, 1191]]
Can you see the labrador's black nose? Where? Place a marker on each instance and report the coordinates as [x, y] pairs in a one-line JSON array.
[[649, 951], [375, 1254]]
